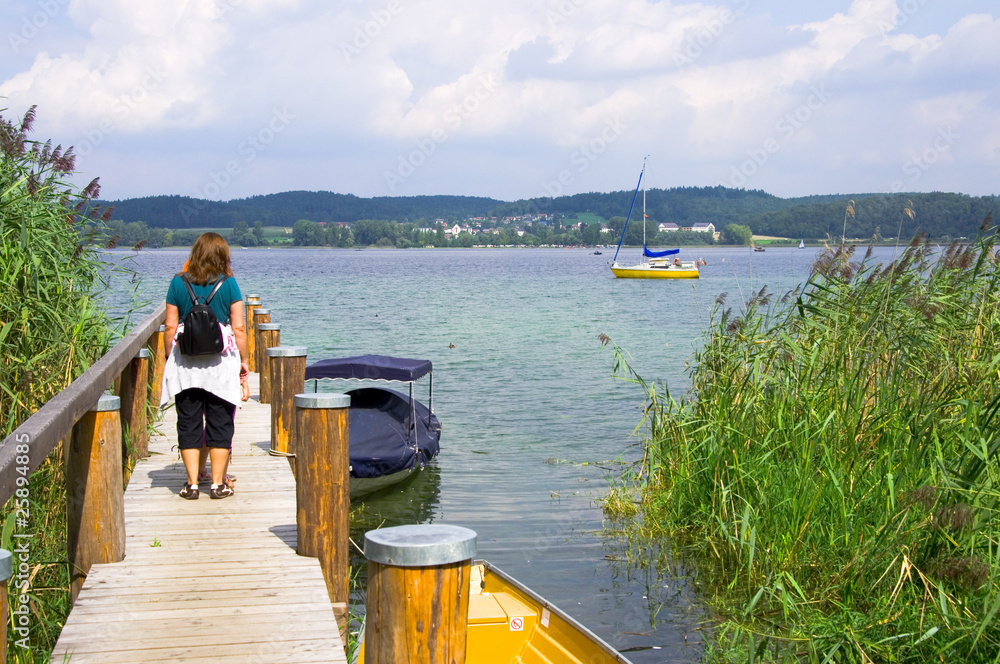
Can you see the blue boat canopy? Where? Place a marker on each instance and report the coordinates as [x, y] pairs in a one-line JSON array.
[[370, 367], [646, 251]]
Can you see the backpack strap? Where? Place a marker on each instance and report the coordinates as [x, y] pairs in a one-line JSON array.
[[187, 284], [215, 290]]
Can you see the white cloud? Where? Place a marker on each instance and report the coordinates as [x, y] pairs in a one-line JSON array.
[[522, 86]]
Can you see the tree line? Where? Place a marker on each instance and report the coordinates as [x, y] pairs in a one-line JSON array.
[[166, 220]]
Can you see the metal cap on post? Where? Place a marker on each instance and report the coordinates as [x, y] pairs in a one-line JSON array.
[[418, 593], [420, 546]]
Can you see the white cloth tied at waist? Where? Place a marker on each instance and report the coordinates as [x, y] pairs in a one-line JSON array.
[[218, 374]]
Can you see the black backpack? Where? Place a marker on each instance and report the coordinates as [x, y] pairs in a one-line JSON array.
[[201, 335]]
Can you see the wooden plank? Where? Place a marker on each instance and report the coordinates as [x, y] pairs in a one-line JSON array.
[[223, 583]]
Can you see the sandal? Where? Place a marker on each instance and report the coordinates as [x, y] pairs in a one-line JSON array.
[[189, 492], [222, 491], [228, 480]]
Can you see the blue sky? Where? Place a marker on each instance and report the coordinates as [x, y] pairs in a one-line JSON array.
[[225, 99]]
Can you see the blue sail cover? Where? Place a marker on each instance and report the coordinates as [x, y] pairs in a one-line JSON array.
[[646, 251], [370, 367], [382, 439]]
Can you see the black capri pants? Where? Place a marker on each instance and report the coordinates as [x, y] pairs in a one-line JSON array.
[[203, 419]]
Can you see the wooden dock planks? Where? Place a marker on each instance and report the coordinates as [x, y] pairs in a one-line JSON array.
[[207, 580]]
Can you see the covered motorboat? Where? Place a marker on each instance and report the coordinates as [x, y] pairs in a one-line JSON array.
[[391, 435]]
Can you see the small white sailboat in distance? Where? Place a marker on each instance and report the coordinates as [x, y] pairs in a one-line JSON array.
[[802, 244], [659, 265]]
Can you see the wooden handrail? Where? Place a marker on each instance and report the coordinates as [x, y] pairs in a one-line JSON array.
[[41, 432]]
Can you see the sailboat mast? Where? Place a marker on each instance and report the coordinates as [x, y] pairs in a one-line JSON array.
[[644, 211]]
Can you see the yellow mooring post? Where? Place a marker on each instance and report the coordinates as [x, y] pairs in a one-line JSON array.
[[260, 316], [417, 608], [268, 336], [95, 503], [323, 491], [288, 378], [253, 304]]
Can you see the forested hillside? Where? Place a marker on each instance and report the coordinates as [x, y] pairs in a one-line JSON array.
[[940, 215]]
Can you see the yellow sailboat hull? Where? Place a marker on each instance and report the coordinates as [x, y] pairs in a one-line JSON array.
[[647, 271], [509, 623]]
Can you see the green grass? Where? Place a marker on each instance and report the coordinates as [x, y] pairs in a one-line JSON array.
[[834, 471], [52, 327]]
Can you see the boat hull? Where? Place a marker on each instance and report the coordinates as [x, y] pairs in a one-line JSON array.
[[645, 271]]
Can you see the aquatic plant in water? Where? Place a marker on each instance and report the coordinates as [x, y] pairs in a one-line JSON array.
[[834, 468]]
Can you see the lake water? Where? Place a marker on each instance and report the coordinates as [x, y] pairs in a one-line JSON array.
[[533, 420]]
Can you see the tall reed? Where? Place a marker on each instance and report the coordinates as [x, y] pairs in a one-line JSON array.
[[51, 329], [834, 469]]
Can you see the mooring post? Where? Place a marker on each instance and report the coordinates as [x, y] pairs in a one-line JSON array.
[[157, 345], [268, 336], [417, 609], [253, 303], [260, 316], [322, 491], [134, 392], [6, 571], [288, 378], [95, 506]]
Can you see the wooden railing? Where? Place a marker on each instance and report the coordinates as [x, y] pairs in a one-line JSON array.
[[95, 511], [41, 432]]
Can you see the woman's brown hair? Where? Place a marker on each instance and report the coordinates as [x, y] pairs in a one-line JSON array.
[[209, 259]]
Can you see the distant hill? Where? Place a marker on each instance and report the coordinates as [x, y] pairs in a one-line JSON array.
[[938, 214], [286, 208]]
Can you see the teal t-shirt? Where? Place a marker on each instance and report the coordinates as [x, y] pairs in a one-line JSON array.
[[178, 296]]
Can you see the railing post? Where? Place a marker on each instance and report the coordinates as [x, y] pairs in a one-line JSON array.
[[253, 303], [268, 336], [94, 494], [260, 317], [134, 390], [6, 571], [322, 491], [288, 378], [157, 348], [417, 609]]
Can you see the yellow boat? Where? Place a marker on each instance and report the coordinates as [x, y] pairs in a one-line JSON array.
[[511, 624], [654, 264], [657, 269]]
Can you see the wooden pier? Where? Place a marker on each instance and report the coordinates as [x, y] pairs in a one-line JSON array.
[[214, 581]]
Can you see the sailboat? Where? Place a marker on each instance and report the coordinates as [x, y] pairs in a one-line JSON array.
[[802, 244], [654, 264]]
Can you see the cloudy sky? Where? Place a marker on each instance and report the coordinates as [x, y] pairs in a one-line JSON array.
[[225, 99]]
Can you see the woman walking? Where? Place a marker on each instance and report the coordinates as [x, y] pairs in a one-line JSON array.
[[206, 388]]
